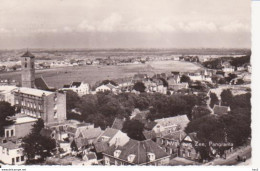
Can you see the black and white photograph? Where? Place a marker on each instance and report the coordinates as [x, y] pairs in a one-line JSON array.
[[125, 82]]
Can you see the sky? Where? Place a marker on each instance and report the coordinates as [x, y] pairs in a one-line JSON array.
[[125, 24]]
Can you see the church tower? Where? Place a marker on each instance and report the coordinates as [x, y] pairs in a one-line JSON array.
[[28, 70]]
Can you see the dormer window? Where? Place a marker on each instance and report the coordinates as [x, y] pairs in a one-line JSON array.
[[131, 158], [117, 153], [151, 156]]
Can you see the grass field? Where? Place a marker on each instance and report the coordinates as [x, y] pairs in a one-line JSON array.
[[59, 76]]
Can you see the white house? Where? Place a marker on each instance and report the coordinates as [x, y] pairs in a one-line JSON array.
[[11, 152], [80, 88], [171, 124], [6, 94], [106, 87]]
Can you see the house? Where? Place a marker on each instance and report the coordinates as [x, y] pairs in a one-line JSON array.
[[188, 147], [221, 110], [47, 105], [110, 137], [87, 137], [171, 142], [11, 152], [21, 127], [80, 88], [6, 94], [106, 87], [75, 131], [135, 152], [171, 124], [91, 158], [227, 67]]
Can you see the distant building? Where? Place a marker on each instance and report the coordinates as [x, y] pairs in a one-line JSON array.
[[171, 124], [118, 124], [106, 87], [80, 88], [11, 152], [136, 153], [49, 106]]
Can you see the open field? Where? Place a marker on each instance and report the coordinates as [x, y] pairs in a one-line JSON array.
[[59, 76]]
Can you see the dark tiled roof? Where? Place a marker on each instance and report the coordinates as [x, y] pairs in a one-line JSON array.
[[101, 146], [91, 156], [28, 54], [149, 134], [140, 149], [75, 84], [66, 86], [220, 110], [41, 84], [118, 124]]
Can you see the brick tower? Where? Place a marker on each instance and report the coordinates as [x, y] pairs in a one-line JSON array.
[[28, 70]]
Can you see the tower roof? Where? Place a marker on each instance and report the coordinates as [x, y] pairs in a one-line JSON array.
[[28, 54]]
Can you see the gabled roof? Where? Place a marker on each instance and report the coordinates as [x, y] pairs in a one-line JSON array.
[[91, 133], [139, 149], [91, 156], [109, 132], [28, 54], [66, 86], [101, 146], [75, 84], [41, 84], [118, 124], [220, 110]]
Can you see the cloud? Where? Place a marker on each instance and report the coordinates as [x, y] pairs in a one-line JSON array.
[[199, 26], [236, 26]]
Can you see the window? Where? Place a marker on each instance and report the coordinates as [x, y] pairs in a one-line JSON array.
[[131, 158], [7, 151], [117, 153], [12, 160], [107, 161], [12, 133], [22, 158], [17, 159], [55, 114], [151, 156], [25, 64], [7, 133]]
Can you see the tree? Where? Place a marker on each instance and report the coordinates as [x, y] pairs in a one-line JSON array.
[[213, 100], [139, 86], [199, 111], [185, 79], [72, 99], [37, 147], [134, 129], [226, 97], [6, 110], [108, 82]]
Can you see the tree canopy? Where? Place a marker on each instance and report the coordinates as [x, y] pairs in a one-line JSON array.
[[139, 86], [134, 129], [37, 147], [6, 110]]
